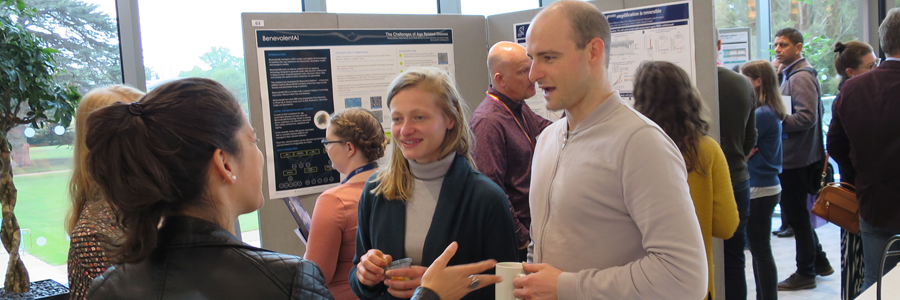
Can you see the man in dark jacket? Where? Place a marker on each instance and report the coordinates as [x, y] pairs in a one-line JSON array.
[[737, 124], [804, 154], [865, 132]]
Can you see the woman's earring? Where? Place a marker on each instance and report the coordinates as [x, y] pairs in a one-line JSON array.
[[233, 177]]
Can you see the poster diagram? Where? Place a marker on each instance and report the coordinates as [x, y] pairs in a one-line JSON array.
[[307, 75], [648, 33], [537, 103], [735, 47]]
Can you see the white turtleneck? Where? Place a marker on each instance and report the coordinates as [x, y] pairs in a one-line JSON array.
[[427, 181]]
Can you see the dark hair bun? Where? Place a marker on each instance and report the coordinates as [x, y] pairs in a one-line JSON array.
[[839, 47]]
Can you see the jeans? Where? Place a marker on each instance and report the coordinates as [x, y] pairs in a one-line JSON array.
[[735, 277], [793, 206], [874, 240], [759, 233]]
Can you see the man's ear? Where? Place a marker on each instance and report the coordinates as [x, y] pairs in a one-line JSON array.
[[498, 79], [597, 49]]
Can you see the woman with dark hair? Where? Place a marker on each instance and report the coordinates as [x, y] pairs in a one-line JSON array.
[[90, 222], [664, 93], [764, 164], [186, 155], [354, 140], [428, 195], [852, 59]]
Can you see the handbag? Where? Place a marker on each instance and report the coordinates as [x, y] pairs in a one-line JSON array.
[[837, 203]]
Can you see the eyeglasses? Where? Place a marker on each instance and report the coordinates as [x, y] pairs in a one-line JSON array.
[[326, 142]]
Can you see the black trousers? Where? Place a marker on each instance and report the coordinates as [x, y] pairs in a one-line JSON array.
[[759, 235], [794, 198]]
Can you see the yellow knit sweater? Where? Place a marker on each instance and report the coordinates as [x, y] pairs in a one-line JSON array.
[[711, 190]]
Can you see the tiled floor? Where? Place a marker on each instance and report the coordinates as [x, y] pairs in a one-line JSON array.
[[828, 287]]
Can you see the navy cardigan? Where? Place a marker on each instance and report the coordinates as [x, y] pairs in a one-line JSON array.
[[471, 210]]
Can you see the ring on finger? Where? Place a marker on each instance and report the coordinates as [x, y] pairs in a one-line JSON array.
[[475, 282]]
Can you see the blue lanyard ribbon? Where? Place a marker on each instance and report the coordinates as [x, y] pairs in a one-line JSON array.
[[360, 170]]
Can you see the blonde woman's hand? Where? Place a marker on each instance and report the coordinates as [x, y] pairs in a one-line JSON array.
[[370, 269]]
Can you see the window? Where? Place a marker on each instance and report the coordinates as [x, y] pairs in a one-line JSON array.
[[179, 43], [493, 7], [86, 34], [823, 23], [737, 14], [382, 6]]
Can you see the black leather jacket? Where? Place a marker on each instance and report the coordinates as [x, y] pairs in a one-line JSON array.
[[196, 259]]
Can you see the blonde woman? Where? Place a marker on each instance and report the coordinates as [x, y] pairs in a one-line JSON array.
[[353, 140], [90, 223], [429, 195]]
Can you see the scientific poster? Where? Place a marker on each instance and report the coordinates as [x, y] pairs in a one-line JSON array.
[[661, 32], [735, 47], [537, 103], [306, 75]]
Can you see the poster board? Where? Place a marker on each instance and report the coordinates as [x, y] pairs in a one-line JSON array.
[[658, 32], [307, 75], [735, 47], [537, 103]]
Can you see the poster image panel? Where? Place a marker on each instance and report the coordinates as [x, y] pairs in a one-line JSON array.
[[661, 32], [309, 75]]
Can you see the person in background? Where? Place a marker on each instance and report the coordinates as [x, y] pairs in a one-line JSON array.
[[505, 129], [429, 195], [612, 216], [737, 128], [865, 134], [804, 154], [764, 164], [353, 141], [852, 59], [663, 92], [90, 222]]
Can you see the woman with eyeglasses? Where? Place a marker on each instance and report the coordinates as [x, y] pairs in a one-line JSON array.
[[353, 141], [852, 59], [429, 195]]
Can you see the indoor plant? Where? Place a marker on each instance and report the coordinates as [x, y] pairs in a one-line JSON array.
[[29, 94]]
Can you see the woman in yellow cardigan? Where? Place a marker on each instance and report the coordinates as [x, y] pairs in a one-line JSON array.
[[664, 93]]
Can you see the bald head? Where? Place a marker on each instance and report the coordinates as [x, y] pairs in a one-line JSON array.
[[508, 64], [585, 20]]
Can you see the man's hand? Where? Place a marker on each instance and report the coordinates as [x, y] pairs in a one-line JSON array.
[[539, 285], [370, 269]]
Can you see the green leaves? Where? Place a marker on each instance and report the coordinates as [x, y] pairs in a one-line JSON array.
[[29, 91]]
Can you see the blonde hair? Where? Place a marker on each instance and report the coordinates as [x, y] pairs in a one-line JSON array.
[[395, 181], [83, 190]]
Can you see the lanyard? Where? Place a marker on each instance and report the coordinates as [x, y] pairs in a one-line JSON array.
[[360, 170], [530, 142]]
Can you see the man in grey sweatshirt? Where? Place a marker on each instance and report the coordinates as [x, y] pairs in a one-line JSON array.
[[804, 154], [612, 216]]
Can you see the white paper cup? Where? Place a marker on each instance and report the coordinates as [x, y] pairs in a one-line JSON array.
[[508, 271]]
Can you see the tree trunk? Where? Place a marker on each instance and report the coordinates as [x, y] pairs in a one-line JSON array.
[[16, 276]]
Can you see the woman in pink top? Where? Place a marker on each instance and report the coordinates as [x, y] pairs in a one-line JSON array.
[[354, 140]]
